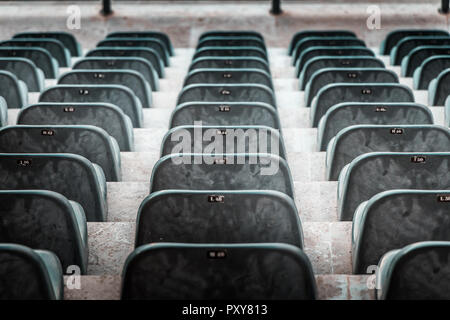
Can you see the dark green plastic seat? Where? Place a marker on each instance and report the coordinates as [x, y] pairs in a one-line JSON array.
[[231, 33], [72, 175], [104, 115], [395, 36], [353, 141], [327, 76], [28, 274], [430, 69], [269, 271], [230, 62], [323, 62], [227, 41], [118, 95], [13, 90], [45, 220], [196, 171], [131, 52], [93, 143], [191, 216], [199, 76], [25, 70], [3, 112], [420, 271], [137, 64], [447, 112], [310, 42], [230, 52], [394, 219], [325, 51], [347, 114], [145, 34], [53, 46], [151, 43], [238, 139], [372, 173], [223, 114], [41, 58], [404, 46], [438, 89], [246, 92], [332, 94], [66, 38], [317, 33], [418, 55], [128, 78]]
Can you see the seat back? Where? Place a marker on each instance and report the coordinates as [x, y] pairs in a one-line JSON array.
[[41, 58], [12, 90], [25, 70], [230, 52], [66, 38], [230, 62], [317, 33], [145, 34]]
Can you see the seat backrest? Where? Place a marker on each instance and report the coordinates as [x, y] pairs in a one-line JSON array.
[[439, 89], [418, 55], [227, 41], [317, 33], [404, 46], [231, 33], [230, 62], [3, 112], [15, 94], [395, 36], [145, 34], [25, 70], [41, 58], [68, 39], [429, 70], [230, 52]]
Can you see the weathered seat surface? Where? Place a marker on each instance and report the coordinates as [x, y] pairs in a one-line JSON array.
[[25, 70], [13, 90], [41, 58], [429, 70], [404, 46], [418, 55]]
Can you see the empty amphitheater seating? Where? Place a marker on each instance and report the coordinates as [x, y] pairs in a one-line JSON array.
[[230, 41], [145, 34], [317, 33], [29, 274], [395, 36], [129, 78], [104, 115], [41, 58], [429, 70], [418, 55], [3, 112], [230, 62], [396, 218], [190, 271], [193, 216], [387, 171], [25, 70], [223, 114], [66, 38], [45, 220], [72, 175], [239, 76], [230, 52], [335, 93], [439, 89], [118, 95], [353, 141], [419, 271], [346, 114], [405, 46], [13, 90], [90, 142]]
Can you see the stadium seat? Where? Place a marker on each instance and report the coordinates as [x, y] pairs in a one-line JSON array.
[[13, 90], [72, 175], [41, 58], [54, 47], [131, 52], [227, 41], [25, 70], [145, 34], [191, 216], [129, 78], [66, 38], [192, 171], [220, 114], [438, 89], [346, 114], [430, 69], [317, 33], [45, 220], [419, 271], [394, 219], [447, 112], [104, 115], [199, 76], [325, 51], [230, 33], [230, 52], [404, 46], [418, 55], [3, 112], [388, 171], [323, 62], [326, 76], [116, 63], [151, 43], [246, 92], [332, 94], [178, 271], [218, 139], [353, 141], [395, 36], [310, 42], [118, 95], [230, 62], [93, 143], [29, 274]]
